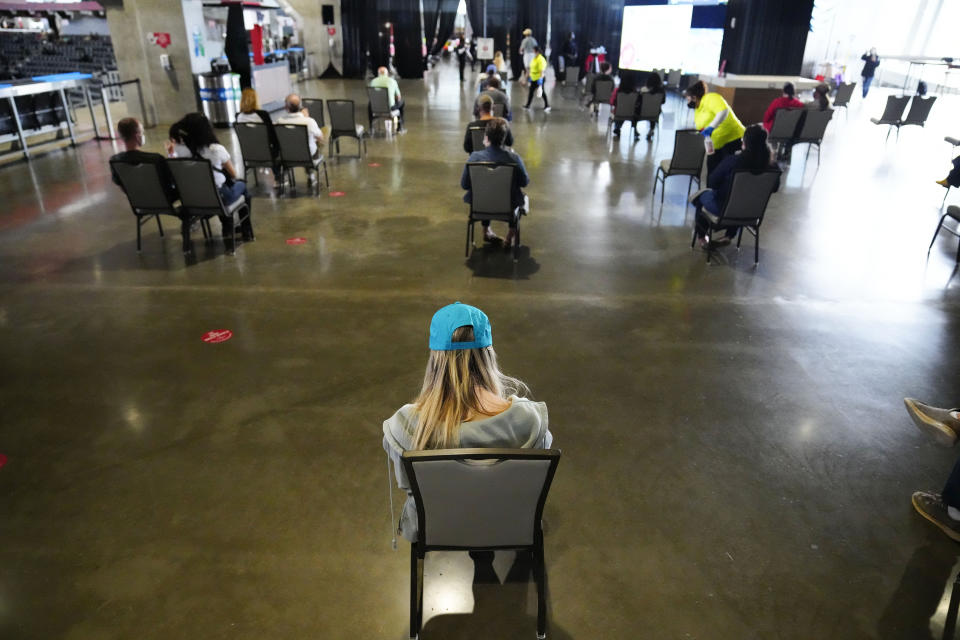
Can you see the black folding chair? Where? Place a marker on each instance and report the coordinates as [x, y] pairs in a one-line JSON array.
[[314, 107], [892, 114], [477, 135], [380, 108], [343, 124], [624, 111], [295, 152], [813, 129], [844, 93], [687, 160], [254, 138], [200, 197], [491, 188], [786, 124]]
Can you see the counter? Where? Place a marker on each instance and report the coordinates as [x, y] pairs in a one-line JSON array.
[[272, 82], [751, 95]]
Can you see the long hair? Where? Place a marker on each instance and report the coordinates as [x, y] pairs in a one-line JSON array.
[[654, 83], [697, 90], [195, 131], [249, 101], [451, 387], [820, 96], [756, 154]]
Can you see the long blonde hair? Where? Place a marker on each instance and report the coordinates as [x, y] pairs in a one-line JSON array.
[[249, 102], [498, 60], [451, 391]]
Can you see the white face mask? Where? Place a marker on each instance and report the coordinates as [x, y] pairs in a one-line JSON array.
[[143, 139]]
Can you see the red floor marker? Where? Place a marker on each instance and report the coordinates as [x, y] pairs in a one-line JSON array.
[[296, 241], [3, 460], [220, 335], [374, 164], [337, 194]]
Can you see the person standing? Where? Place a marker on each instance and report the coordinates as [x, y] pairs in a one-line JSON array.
[[473, 54], [527, 50], [538, 70], [570, 51], [870, 63], [715, 119], [461, 53]]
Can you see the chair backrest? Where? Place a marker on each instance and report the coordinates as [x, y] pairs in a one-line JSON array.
[[379, 100], [893, 112], [499, 110], [476, 136], [688, 151], [844, 93], [626, 105], [342, 117], [748, 197], [254, 141], [314, 107], [195, 184], [143, 185], [650, 106], [785, 124], [673, 79], [919, 110], [480, 497], [294, 142], [602, 90], [491, 187], [572, 75], [814, 125]]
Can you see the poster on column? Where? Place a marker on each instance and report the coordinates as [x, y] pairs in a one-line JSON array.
[[484, 48]]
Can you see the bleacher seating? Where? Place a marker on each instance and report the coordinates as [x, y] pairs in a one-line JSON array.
[[23, 55]]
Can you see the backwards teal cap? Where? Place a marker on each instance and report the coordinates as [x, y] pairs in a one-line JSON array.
[[452, 317]]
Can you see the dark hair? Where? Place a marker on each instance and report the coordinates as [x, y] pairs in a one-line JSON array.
[[605, 67], [756, 152], [195, 131], [697, 89], [485, 104], [789, 89], [628, 82], [537, 49], [128, 128], [496, 131], [494, 82], [820, 96], [654, 83]]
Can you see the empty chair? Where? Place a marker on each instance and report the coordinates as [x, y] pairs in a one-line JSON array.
[[143, 185], [625, 110], [919, 111], [314, 107], [343, 124], [687, 160], [492, 187], [786, 124], [953, 212], [571, 76], [476, 137], [844, 93], [295, 152], [745, 207], [602, 91], [479, 500], [380, 107], [254, 141], [673, 79], [199, 197], [813, 128], [892, 113]]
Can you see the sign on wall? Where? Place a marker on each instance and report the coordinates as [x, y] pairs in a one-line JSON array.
[[485, 48], [162, 40]]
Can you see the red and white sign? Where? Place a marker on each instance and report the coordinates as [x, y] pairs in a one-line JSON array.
[[331, 31], [160, 39], [337, 194], [219, 335], [296, 241]]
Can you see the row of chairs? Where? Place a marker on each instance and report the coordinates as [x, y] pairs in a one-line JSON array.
[[896, 105], [800, 126], [343, 121], [254, 138], [626, 110]]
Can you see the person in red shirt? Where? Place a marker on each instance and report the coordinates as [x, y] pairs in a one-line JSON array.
[[786, 101]]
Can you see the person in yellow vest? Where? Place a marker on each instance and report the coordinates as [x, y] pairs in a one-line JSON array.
[[715, 119], [538, 69]]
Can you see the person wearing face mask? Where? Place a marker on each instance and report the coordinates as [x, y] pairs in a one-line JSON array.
[[870, 63], [715, 119], [131, 134]]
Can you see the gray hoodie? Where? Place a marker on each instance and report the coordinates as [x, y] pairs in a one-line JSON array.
[[522, 426]]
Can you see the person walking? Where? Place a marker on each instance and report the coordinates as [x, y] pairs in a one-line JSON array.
[[870, 63], [527, 47], [538, 70]]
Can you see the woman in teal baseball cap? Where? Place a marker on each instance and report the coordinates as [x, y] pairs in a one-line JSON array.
[[465, 401]]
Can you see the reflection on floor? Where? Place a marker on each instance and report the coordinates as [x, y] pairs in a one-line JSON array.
[[737, 460]]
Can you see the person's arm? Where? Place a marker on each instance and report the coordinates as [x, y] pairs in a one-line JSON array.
[[465, 177], [467, 144], [509, 139], [769, 115], [228, 169], [718, 177], [717, 119], [524, 176]]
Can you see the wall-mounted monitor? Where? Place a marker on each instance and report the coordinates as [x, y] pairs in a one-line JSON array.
[[672, 34]]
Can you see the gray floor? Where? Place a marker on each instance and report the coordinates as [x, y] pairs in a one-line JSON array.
[[737, 461]]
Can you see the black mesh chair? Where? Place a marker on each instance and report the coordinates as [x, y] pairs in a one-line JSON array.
[[953, 212], [314, 107], [744, 208], [919, 111], [651, 107], [343, 124], [892, 114], [254, 138], [813, 128], [625, 109], [199, 197], [491, 198], [479, 500], [786, 124], [476, 137], [844, 93], [687, 160], [295, 152], [380, 108], [602, 91], [143, 185]]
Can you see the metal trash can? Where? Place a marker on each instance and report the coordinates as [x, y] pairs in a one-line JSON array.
[[220, 97]]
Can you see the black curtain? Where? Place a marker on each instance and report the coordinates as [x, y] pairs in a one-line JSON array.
[[529, 15], [446, 12], [596, 22], [357, 24], [475, 14], [236, 47], [769, 37], [365, 32], [501, 16]]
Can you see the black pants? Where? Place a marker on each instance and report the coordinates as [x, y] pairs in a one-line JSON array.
[[463, 64], [951, 492], [533, 92], [953, 178], [718, 155]]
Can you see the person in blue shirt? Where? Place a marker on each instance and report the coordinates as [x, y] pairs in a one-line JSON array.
[[493, 151]]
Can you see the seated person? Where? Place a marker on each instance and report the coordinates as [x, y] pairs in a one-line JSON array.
[[495, 94], [821, 98], [628, 84], [295, 114], [604, 74], [785, 101], [493, 151], [465, 401], [653, 86], [131, 134], [486, 113], [953, 178], [756, 157], [384, 81], [250, 111], [489, 72]]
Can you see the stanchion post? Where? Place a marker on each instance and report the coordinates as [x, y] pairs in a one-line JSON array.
[[143, 106], [106, 110], [66, 112], [93, 114], [16, 119]]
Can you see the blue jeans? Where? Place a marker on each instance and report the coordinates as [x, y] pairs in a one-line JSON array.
[[866, 85], [230, 192], [708, 200]]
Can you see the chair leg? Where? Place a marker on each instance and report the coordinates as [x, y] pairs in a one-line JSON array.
[[540, 576], [159, 225], [414, 599], [229, 239], [739, 238], [945, 194], [466, 250], [325, 174], [756, 248], [138, 233], [932, 240], [950, 623], [516, 243]]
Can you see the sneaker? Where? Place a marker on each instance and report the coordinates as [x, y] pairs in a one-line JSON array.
[[930, 506], [936, 423], [943, 183], [547, 110]]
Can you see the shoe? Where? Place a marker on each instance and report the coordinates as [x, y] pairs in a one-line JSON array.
[[509, 240], [547, 110], [936, 423], [930, 506], [650, 137], [490, 236], [526, 107], [616, 134], [943, 183]]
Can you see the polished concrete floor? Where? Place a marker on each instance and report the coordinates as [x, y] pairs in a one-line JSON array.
[[736, 464]]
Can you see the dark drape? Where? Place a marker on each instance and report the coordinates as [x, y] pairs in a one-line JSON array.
[[475, 15], [501, 17], [236, 47], [596, 22], [444, 11], [365, 30], [531, 14], [768, 38], [358, 26]]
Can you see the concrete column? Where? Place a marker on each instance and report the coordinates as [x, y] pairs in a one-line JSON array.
[[168, 93], [326, 49]]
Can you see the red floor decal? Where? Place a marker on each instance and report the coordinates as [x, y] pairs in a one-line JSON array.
[[337, 194], [220, 335], [296, 241], [374, 164]]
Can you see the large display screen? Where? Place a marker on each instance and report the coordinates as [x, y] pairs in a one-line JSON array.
[[672, 34]]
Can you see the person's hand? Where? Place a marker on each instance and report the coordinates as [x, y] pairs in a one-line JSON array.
[[168, 145], [305, 112], [706, 132]]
